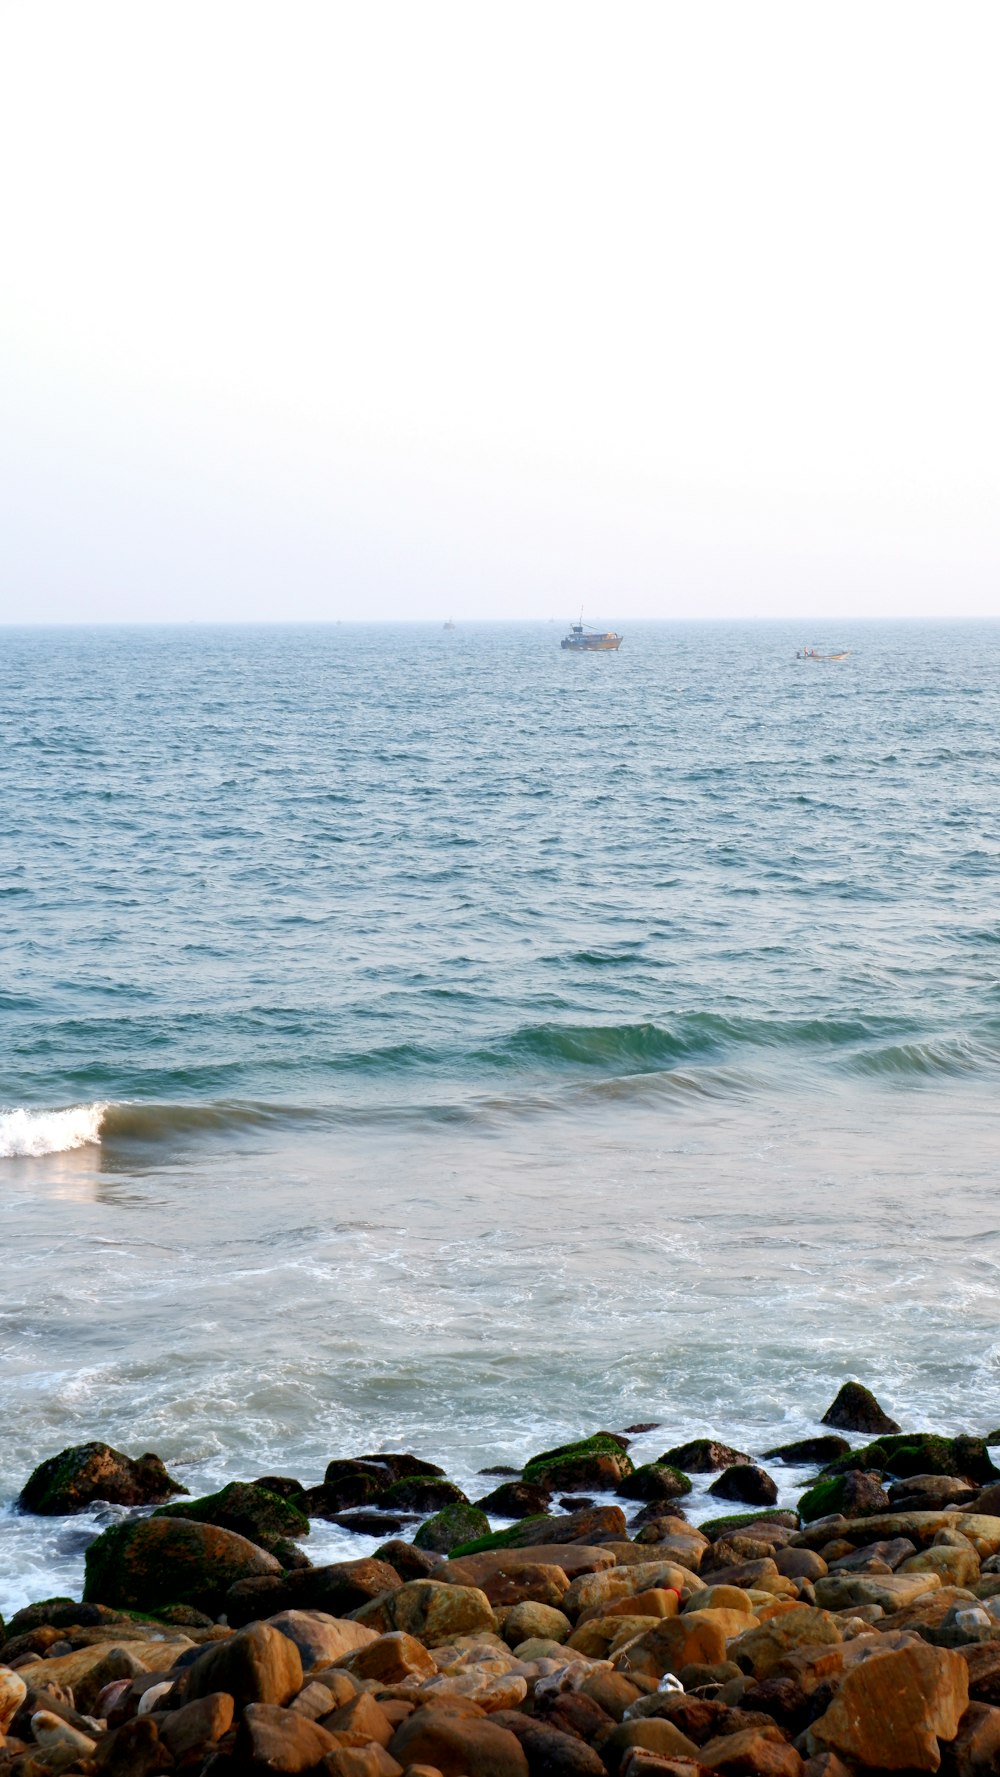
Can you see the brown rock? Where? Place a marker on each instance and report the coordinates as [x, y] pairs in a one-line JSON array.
[[586, 1716], [458, 1745], [702, 1456], [574, 1559], [259, 1665], [893, 1591], [359, 1722], [530, 1621], [275, 1739], [133, 1750], [549, 1752], [363, 1761], [392, 1658], [983, 1661], [748, 1482], [761, 1650], [954, 1566], [640, 1763], [320, 1638], [71, 1481], [975, 1750], [198, 1724], [752, 1752], [520, 1581], [595, 1524], [432, 1612], [988, 1501], [799, 1564], [891, 1711], [677, 1642], [652, 1733], [595, 1591]]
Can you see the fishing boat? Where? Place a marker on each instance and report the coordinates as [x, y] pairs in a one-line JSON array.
[[814, 654], [591, 641], [450, 624]]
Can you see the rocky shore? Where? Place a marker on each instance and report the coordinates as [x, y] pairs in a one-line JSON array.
[[590, 1637]]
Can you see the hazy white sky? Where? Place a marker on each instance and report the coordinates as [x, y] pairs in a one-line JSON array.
[[430, 307]]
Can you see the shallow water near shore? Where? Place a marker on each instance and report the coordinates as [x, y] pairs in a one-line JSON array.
[[427, 1040]]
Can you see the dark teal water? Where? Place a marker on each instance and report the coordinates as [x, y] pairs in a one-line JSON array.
[[431, 1034]]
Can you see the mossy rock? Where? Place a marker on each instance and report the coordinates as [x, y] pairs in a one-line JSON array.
[[992, 1437], [83, 1473], [248, 1509], [501, 1539], [655, 1480], [715, 1527], [822, 1499], [453, 1525], [422, 1493], [146, 1563], [922, 1453], [595, 1462]]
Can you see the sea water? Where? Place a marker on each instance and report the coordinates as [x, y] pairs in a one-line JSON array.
[[435, 1040]]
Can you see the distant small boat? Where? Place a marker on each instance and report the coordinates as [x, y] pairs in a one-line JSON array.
[[591, 641], [814, 654], [449, 625]]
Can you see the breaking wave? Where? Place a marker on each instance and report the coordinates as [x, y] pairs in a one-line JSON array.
[[33, 1133]]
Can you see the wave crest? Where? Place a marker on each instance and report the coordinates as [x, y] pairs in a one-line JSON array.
[[34, 1133]]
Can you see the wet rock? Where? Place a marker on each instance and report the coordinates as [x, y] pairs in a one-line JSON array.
[[339, 1588], [856, 1409], [574, 1559], [454, 1524], [988, 1502], [259, 1665], [401, 1464], [809, 1450], [144, 1563], [432, 1612], [929, 1493], [654, 1480], [599, 1524], [745, 1481], [83, 1473], [458, 1745], [890, 1712], [408, 1562], [245, 1508], [423, 1493], [702, 1456], [853, 1492], [370, 1521], [516, 1499], [598, 1462]]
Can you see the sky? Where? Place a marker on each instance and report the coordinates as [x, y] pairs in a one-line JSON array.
[[426, 308]]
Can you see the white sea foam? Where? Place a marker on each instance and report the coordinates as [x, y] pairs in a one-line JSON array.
[[49, 1132]]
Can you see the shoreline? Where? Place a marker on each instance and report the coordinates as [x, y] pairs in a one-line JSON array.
[[598, 1633]]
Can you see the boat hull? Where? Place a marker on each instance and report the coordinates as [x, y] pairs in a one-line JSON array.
[[593, 645]]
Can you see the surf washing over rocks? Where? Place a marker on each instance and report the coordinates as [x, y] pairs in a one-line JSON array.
[[858, 1632]]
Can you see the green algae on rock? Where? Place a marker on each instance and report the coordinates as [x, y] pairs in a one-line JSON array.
[[598, 1462], [249, 1509], [454, 1524], [655, 1480], [146, 1563], [83, 1473]]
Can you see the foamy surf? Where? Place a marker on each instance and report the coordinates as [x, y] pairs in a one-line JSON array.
[[34, 1133]]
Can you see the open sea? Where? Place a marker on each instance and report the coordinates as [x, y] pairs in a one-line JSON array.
[[430, 1039]]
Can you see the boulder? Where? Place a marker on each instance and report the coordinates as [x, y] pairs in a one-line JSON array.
[[520, 1581], [892, 1591], [651, 1733], [13, 1691], [422, 1493], [321, 1639], [856, 1409], [250, 1510], [454, 1524], [408, 1562], [891, 1711], [145, 1563], [198, 1724], [761, 1650], [595, 1524], [516, 1499], [432, 1612], [975, 1750], [702, 1456], [597, 1590], [809, 1450], [359, 1721], [674, 1642], [391, 1659], [458, 1745], [73, 1480], [402, 1465], [280, 1740], [338, 1589], [982, 1659], [599, 1462], [574, 1560], [259, 1665], [745, 1481], [752, 1752], [654, 1480], [954, 1566], [530, 1621], [550, 1752]]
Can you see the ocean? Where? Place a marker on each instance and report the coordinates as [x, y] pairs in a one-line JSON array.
[[433, 1040]]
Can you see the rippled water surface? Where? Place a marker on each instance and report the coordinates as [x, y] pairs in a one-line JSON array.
[[431, 1037]]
